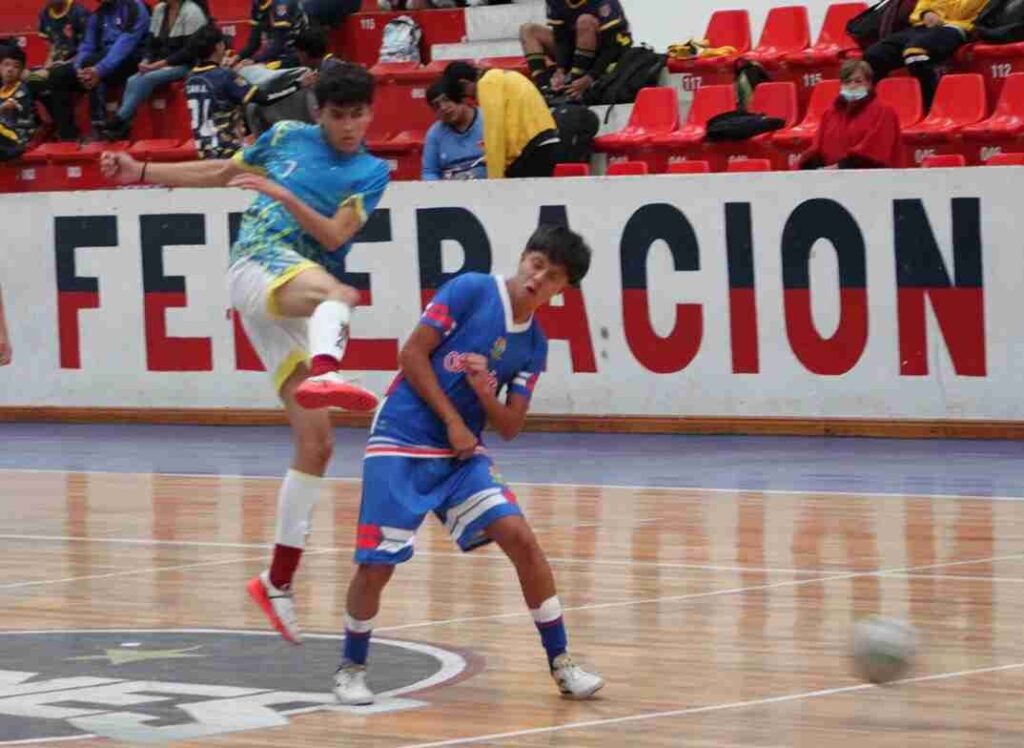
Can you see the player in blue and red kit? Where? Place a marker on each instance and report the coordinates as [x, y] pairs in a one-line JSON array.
[[476, 339]]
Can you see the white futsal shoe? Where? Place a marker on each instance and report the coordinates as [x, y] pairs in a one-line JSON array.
[[350, 686], [573, 681], [277, 605]]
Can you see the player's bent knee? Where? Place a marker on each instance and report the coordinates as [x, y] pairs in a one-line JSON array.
[[375, 576], [529, 32], [587, 23]]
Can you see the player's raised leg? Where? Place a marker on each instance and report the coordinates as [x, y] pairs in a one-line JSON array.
[[328, 303], [517, 540], [313, 440]]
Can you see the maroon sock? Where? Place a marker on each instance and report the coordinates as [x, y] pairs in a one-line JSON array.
[[322, 364], [283, 565]]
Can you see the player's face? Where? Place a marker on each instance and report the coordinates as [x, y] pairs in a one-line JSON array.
[[10, 71], [539, 280], [345, 126]]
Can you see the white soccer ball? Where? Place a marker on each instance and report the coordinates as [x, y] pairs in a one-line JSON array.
[[883, 649]]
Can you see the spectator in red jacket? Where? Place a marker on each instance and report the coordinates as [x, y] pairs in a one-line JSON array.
[[858, 131]]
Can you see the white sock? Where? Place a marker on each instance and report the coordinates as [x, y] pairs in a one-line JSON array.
[[356, 626], [298, 495], [549, 610], [328, 329]]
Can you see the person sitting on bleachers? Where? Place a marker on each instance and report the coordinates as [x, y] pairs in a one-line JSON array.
[[290, 96], [168, 58], [18, 121], [216, 96], [584, 37], [520, 135], [938, 29], [858, 131], [110, 52], [271, 46], [62, 23], [453, 148]]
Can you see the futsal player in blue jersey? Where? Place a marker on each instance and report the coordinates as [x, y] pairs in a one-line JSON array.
[[474, 358], [317, 186]]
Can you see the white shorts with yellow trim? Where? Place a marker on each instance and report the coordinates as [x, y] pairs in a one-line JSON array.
[[280, 342]]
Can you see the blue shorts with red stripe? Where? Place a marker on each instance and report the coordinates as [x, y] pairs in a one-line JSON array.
[[467, 496]]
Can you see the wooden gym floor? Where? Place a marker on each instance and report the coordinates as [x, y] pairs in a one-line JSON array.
[[719, 615]]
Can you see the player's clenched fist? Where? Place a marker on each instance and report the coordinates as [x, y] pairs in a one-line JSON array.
[[119, 167]]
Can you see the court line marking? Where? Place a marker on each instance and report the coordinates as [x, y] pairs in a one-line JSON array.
[[442, 554], [131, 572], [712, 708], [702, 595], [803, 492]]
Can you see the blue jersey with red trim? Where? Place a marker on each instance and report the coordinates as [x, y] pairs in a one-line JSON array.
[[474, 315]]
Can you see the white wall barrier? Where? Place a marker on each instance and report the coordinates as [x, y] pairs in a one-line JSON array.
[[808, 295]]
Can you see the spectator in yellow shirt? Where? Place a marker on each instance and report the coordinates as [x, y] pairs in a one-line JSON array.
[[937, 29], [520, 136]]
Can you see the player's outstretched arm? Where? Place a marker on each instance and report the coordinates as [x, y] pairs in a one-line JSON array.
[[505, 418], [414, 360], [330, 231], [121, 168]]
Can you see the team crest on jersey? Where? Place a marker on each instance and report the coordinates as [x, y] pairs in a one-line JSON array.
[[498, 349], [155, 686], [606, 10]]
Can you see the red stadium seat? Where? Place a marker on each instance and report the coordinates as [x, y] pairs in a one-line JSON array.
[[627, 169], [786, 30], [833, 41], [749, 164], [154, 149], [707, 102], [505, 63], [169, 112], [943, 161], [572, 170], [959, 101], [798, 139], [656, 112], [1005, 126], [400, 103], [1006, 159], [994, 62], [727, 28], [688, 167], [904, 95], [403, 152]]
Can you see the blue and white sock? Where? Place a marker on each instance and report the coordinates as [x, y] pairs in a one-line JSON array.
[[548, 619]]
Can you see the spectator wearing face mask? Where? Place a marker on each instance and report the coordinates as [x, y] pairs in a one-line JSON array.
[[858, 131]]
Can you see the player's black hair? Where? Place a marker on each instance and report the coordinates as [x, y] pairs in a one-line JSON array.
[[455, 75], [204, 42], [562, 246], [12, 53], [312, 41], [345, 83]]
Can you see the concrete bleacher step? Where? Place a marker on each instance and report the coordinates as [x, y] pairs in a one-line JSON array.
[[500, 22], [476, 50]]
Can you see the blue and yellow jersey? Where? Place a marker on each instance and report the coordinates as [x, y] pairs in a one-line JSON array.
[[296, 156], [18, 122]]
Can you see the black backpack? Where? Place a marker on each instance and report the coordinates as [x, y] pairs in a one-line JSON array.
[[638, 68], [741, 125], [1001, 22], [577, 128], [880, 20]]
